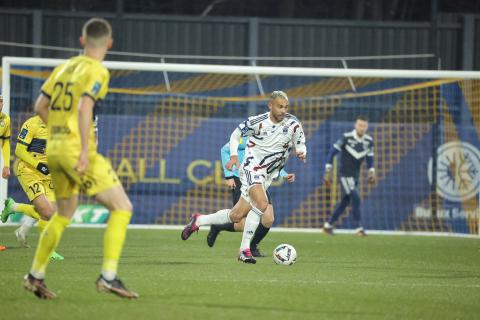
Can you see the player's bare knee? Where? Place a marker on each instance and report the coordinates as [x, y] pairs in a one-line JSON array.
[[235, 216], [45, 211], [124, 205], [262, 205]]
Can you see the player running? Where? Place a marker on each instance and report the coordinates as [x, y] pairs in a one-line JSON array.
[[35, 179], [66, 105], [354, 146], [233, 182], [272, 137]]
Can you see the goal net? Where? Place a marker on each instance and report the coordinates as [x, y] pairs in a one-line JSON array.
[[162, 127]]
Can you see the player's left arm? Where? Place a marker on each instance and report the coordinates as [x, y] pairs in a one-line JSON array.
[[85, 113], [95, 88], [370, 164], [299, 142]]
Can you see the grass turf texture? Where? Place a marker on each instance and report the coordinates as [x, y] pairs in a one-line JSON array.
[[339, 277]]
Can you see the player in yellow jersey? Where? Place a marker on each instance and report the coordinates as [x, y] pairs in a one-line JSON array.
[[66, 105], [35, 179], [5, 140]]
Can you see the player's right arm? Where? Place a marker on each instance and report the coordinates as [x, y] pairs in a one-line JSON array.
[[43, 101], [334, 150], [27, 133], [244, 129]]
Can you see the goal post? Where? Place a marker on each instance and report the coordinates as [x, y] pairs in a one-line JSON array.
[[162, 127]]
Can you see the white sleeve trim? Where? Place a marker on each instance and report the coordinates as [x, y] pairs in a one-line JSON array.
[[234, 142]]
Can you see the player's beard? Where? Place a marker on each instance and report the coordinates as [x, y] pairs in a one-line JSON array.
[[278, 117]]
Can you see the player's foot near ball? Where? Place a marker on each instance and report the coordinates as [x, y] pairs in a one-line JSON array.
[[21, 236], [191, 227], [245, 256], [115, 286], [8, 209], [256, 253], [360, 232], [2, 248], [328, 231], [212, 235], [37, 287]]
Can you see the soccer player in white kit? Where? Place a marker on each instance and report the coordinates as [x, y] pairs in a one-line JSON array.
[[272, 137]]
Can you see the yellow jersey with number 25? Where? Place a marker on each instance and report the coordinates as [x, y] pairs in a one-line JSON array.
[[79, 76]]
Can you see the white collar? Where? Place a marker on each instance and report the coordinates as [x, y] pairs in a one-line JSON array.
[[273, 123]]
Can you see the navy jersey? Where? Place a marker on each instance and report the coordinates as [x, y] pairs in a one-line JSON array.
[[353, 149]]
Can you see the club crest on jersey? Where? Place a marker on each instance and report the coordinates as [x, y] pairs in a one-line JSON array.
[[285, 130], [23, 133], [2, 123], [96, 88]]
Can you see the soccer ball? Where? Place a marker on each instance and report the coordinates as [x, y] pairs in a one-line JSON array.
[[285, 254]]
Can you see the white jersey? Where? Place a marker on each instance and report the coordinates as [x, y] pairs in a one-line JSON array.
[[269, 145]]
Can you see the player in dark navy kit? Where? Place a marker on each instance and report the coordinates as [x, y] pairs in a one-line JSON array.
[[353, 147]]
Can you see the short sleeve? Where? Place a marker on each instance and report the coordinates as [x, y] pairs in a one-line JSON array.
[[6, 130], [96, 84], [27, 132], [48, 85], [339, 144]]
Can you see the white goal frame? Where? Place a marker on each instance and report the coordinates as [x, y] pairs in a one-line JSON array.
[[7, 62]]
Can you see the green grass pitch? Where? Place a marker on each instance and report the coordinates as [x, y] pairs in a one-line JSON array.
[[339, 277]]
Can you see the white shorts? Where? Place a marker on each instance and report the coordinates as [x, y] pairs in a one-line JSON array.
[[250, 178]]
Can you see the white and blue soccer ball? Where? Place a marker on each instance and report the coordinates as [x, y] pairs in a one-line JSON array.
[[285, 254]]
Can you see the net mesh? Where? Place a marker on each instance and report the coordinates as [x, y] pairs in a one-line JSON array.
[[163, 134]]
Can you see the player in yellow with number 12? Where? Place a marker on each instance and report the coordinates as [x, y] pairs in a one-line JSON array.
[[66, 105], [35, 179]]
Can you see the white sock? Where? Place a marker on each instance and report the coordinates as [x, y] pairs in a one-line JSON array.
[[327, 225], [219, 217], [108, 275], [251, 224], [27, 223]]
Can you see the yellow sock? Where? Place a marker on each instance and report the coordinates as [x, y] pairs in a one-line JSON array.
[[28, 210], [113, 241], [49, 240], [42, 224]]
